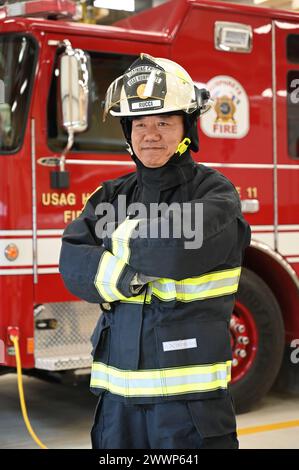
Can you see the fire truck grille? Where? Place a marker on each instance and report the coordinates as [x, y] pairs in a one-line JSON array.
[[62, 335]]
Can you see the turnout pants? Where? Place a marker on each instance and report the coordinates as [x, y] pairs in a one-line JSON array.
[[184, 424]]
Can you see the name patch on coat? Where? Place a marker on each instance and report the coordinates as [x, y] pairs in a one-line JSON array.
[[179, 344]]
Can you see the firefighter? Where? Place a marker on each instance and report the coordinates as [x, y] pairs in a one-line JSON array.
[[166, 279]]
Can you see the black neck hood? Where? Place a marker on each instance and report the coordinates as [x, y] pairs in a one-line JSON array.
[[176, 172]]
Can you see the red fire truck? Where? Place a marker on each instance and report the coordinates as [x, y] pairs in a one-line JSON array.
[[55, 150]]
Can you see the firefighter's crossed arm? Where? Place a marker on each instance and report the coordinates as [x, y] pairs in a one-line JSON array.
[[224, 231], [88, 269]]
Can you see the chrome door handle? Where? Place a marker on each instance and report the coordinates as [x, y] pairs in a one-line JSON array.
[[250, 206]]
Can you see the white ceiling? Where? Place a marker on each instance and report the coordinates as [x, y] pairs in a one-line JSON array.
[[280, 4]]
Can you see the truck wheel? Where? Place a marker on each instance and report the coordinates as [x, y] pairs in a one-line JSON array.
[[257, 338]]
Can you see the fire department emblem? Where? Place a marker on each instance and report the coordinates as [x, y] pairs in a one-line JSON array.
[[229, 118], [225, 110], [140, 91]]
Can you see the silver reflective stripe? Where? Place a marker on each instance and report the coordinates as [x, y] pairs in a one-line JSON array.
[[109, 272], [191, 289], [121, 237]]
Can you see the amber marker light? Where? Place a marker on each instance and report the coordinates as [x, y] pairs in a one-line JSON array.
[[11, 252]]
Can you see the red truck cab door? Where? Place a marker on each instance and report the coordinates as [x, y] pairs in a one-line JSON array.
[[231, 53], [65, 325]]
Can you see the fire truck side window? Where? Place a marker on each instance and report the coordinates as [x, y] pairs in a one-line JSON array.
[[17, 64], [293, 112], [100, 136], [293, 48]]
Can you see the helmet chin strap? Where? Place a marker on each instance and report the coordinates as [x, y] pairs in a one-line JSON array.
[[129, 149], [183, 145]]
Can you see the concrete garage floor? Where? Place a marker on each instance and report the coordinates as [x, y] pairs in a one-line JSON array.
[[62, 415]]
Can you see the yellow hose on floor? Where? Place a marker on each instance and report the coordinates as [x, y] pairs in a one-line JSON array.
[[15, 341]]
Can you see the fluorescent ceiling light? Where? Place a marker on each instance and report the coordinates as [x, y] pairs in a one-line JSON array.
[[257, 2], [126, 5]]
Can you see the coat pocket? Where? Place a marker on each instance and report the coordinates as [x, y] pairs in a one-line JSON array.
[[193, 343], [100, 340], [213, 417]]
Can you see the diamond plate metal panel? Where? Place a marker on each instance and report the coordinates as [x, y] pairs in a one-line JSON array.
[[68, 345]]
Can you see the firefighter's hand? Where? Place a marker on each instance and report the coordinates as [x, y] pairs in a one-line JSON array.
[[139, 281]]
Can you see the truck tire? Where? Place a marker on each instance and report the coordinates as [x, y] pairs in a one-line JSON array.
[[257, 337]]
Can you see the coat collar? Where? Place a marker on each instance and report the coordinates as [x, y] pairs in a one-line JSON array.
[[178, 170]]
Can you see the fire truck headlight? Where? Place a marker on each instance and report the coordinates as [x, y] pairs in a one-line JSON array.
[[11, 252]]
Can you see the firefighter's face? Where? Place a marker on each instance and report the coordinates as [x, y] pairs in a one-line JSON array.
[[155, 138]]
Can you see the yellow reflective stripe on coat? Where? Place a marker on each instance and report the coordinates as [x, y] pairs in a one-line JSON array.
[[161, 382], [138, 299], [194, 288], [90, 195], [109, 271], [198, 288], [121, 237]]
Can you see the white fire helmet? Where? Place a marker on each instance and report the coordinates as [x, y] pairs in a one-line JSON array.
[[154, 86]]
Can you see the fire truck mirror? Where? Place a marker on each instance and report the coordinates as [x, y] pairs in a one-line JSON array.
[[74, 77], [73, 102], [5, 123]]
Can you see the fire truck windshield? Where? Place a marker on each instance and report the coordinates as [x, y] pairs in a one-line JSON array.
[[17, 61]]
